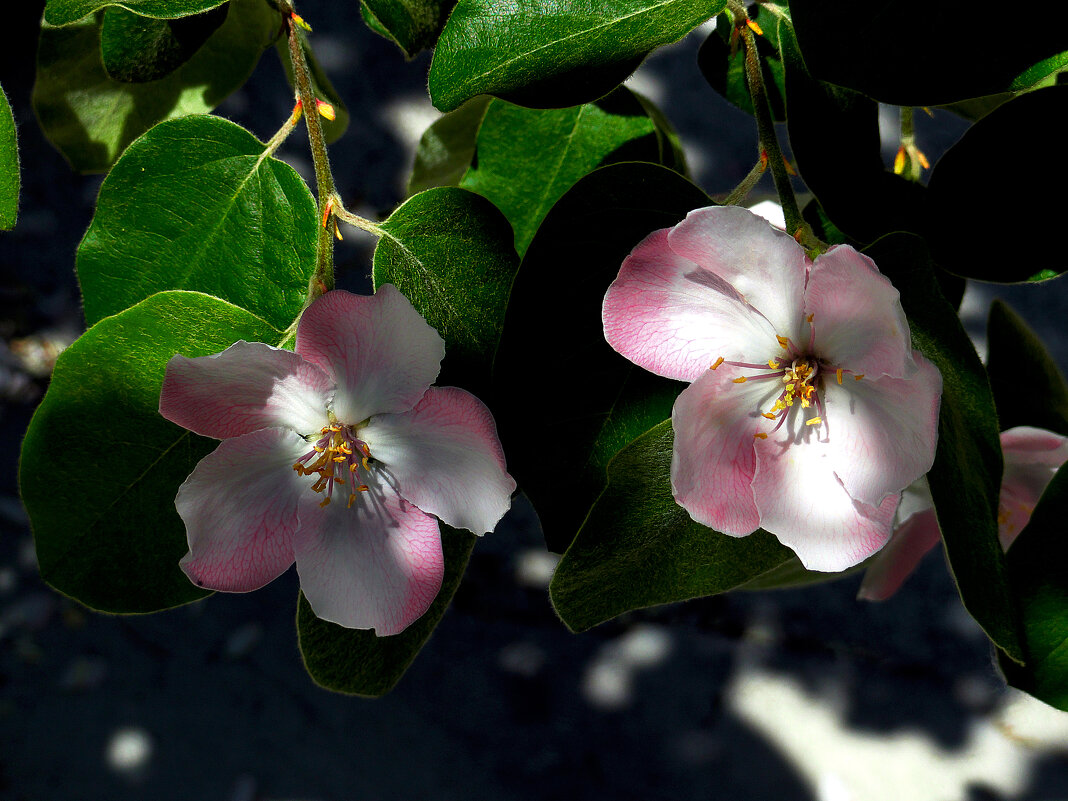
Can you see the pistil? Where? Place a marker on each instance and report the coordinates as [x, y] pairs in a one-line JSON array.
[[336, 457]]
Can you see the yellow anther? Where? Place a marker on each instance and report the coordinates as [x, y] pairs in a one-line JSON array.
[[768, 415], [325, 110], [318, 449], [805, 403], [739, 380], [858, 376], [754, 27], [339, 458], [838, 375], [760, 435], [815, 421], [774, 364], [809, 318], [326, 500], [352, 468], [362, 488], [716, 363], [366, 464], [784, 343]]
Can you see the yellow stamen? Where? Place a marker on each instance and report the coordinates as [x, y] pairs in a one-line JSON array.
[[739, 380], [352, 500], [768, 415], [326, 500], [760, 435], [754, 27], [858, 376], [809, 318], [838, 375], [815, 421], [784, 343], [773, 364], [716, 363]]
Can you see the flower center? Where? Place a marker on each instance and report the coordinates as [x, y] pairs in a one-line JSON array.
[[801, 374], [337, 457]]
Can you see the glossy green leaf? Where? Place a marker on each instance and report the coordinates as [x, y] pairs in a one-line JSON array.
[[559, 443], [1036, 563], [966, 477], [1028, 387], [321, 86], [985, 171], [64, 12], [639, 548], [360, 663], [413, 25], [553, 53], [909, 55], [450, 252], [526, 159], [91, 118], [834, 134], [138, 49], [100, 467], [194, 204], [447, 147], [724, 66], [9, 166]]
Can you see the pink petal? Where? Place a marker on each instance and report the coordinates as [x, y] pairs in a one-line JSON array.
[[377, 348], [897, 561], [240, 511], [670, 316], [1032, 457], [247, 387], [881, 434], [803, 503], [444, 456], [763, 263], [378, 565], [713, 461], [857, 314]]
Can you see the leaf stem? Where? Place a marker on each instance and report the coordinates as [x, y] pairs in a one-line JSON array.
[[322, 279], [769, 142]]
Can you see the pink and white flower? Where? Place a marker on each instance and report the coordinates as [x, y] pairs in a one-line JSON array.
[[808, 410], [1032, 457], [339, 456]]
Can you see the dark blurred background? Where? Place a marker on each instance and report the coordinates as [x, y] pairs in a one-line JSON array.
[[801, 694]]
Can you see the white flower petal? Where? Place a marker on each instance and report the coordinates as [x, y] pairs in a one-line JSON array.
[[444, 456]]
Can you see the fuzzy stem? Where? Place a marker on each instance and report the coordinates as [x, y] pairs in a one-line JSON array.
[[769, 142], [323, 277]]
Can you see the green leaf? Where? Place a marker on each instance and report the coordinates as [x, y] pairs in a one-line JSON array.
[[834, 134], [450, 252], [639, 548], [1028, 387], [360, 663], [559, 442], [907, 55], [64, 12], [100, 467], [91, 118], [966, 477], [1036, 563], [9, 166], [985, 171], [526, 159], [195, 204], [413, 25], [724, 66], [139, 49], [553, 53], [321, 86], [447, 147]]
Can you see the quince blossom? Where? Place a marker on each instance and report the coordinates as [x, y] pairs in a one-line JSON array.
[[338, 456], [808, 410], [1032, 457]]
